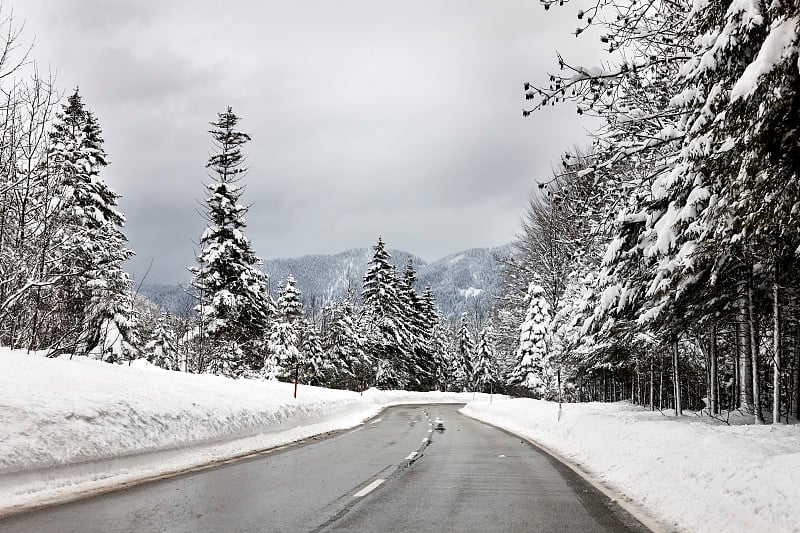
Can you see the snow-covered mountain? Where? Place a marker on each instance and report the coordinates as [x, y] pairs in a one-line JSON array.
[[327, 277], [465, 281]]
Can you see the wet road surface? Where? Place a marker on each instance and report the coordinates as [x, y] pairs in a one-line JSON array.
[[395, 473]]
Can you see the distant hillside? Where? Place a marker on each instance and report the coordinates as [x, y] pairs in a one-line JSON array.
[[172, 298], [327, 277], [466, 281]]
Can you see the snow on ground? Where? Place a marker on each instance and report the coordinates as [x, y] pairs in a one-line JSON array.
[[77, 426], [81, 426], [691, 473]]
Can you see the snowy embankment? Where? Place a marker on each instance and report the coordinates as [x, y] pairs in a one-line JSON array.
[[80, 426], [690, 473]]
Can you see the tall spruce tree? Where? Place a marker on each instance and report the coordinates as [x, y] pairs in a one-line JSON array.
[[530, 368], [442, 337], [290, 305], [345, 347], [464, 365], [316, 366], [161, 349], [284, 357], [485, 363], [235, 305], [421, 364], [96, 290], [389, 337]]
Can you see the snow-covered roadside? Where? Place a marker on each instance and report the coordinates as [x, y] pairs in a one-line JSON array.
[[78, 426], [693, 474]]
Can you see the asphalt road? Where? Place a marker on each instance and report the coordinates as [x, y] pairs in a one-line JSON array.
[[396, 473]]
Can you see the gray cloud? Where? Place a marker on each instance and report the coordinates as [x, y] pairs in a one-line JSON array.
[[401, 119]]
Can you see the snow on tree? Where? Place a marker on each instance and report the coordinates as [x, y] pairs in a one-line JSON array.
[[463, 366], [117, 339], [290, 305], [695, 172], [283, 352], [235, 305], [485, 362], [345, 347], [384, 313], [316, 367], [285, 357], [532, 352], [442, 341], [161, 349], [89, 237], [225, 358], [416, 318]]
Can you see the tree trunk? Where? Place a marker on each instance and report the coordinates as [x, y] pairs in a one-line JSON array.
[[676, 379], [652, 385], [661, 384], [745, 364], [759, 416], [794, 397], [776, 345], [713, 371], [737, 379]]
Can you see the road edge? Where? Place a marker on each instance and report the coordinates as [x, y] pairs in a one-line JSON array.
[[54, 500], [100, 488], [636, 511]]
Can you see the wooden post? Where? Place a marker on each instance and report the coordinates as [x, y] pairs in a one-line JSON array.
[[296, 376], [676, 379]]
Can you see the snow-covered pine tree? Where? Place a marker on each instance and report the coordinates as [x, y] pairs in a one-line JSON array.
[[743, 156], [283, 352], [427, 319], [285, 357], [464, 366], [90, 240], [442, 339], [316, 367], [390, 341], [428, 308], [161, 349], [415, 321], [532, 352], [290, 304], [485, 363], [234, 301], [345, 348]]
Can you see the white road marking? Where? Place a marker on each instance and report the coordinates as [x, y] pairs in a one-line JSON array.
[[369, 488], [430, 431], [425, 439], [411, 456], [376, 420]]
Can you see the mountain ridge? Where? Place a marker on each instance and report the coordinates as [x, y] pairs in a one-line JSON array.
[[466, 281]]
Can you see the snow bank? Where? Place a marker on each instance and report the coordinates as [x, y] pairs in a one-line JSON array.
[[79, 425], [692, 473]]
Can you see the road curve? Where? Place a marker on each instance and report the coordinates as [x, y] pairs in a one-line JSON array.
[[395, 473]]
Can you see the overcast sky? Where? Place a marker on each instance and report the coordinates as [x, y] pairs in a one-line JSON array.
[[400, 119]]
